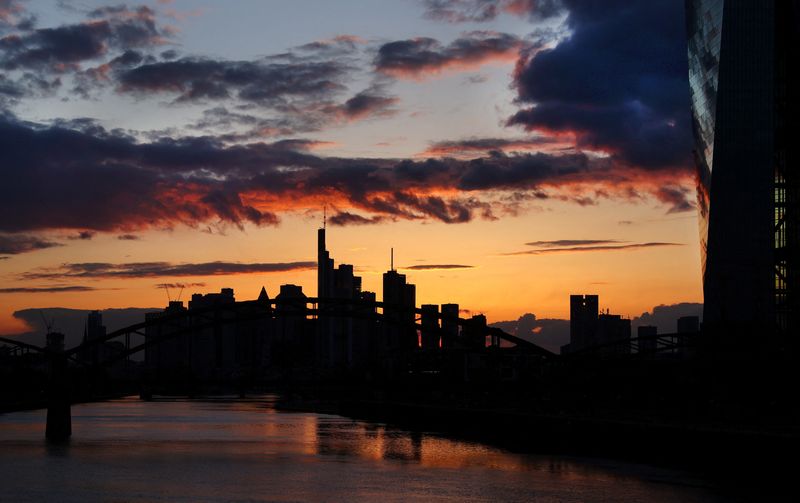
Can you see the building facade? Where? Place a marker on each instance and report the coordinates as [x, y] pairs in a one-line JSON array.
[[743, 58]]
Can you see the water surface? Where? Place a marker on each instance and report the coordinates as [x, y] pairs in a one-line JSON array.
[[245, 450]]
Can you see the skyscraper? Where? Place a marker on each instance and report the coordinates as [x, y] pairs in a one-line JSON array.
[[743, 58], [583, 315]]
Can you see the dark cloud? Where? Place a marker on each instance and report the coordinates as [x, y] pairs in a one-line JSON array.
[[162, 269], [273, 96], [61, 48], [665, 317], [344, 218], [77, 175], [618, 83], [265, 81], [571, 242], [550, 334], [594, 248], [72, 322], [463, 11], [48, 289], [477, 146], [82, 235], [676, 197], [128, 237], [421, 57], [13, 16], [63, 178], [338, 46], [13, 244], [436, 267], [368, 103]]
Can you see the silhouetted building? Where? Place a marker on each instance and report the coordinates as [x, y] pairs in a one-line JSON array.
[[613, 331], [214, 346], [474, 332], [337, 327], [93, 330], [94, 326], [647, 342], [430, 326], [583, 314], [743, 76], [449, 324], [170, 359], [687, 324], [399, 300]]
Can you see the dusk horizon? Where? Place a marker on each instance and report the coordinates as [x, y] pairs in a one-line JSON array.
[[137, 145], [399, 250]]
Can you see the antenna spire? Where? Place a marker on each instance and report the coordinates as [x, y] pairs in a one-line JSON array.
[[391, 260], [324, 215]]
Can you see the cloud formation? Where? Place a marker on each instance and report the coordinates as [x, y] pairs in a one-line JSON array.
[[571, 242], [437, 267], [161, 269], [475, 11], [265, 81], [48, 289], [593, 248], [13, 244], [423, 57], [77, 175], [474, 147], [618, 83], [64, 47], [550, 334]]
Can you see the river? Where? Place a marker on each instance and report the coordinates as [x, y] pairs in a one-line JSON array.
[[246, 450]]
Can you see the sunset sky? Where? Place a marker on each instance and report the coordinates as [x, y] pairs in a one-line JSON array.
[[511, 151]]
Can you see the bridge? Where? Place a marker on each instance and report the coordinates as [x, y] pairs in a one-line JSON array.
[[472, 336]]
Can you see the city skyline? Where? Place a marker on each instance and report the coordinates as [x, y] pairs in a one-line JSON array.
[[398, 133]]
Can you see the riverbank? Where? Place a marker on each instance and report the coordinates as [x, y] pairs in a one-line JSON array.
[[719, 450]]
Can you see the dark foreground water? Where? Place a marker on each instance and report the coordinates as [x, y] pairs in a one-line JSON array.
[[245, 450]]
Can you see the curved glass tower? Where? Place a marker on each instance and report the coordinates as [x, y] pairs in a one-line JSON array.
[[743, 59]]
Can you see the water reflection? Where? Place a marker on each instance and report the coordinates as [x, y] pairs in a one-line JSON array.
[[246, 450]]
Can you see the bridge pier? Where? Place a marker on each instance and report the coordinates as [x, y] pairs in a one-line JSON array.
[[59, 414]]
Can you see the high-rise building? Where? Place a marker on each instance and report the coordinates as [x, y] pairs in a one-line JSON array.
[[647, 338], [743, 76], [583, 313], [336, 335], [399, 300], [449, 325]]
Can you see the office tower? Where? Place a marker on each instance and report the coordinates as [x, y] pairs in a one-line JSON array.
[[449, 325], [430, 326], [399, 300], [647, 338], [335, 331], [743, 77], [583, 314]]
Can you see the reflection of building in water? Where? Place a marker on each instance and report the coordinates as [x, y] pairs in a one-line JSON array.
[[406, 446]]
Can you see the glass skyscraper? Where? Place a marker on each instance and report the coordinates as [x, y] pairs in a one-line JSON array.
[[743, 75]]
